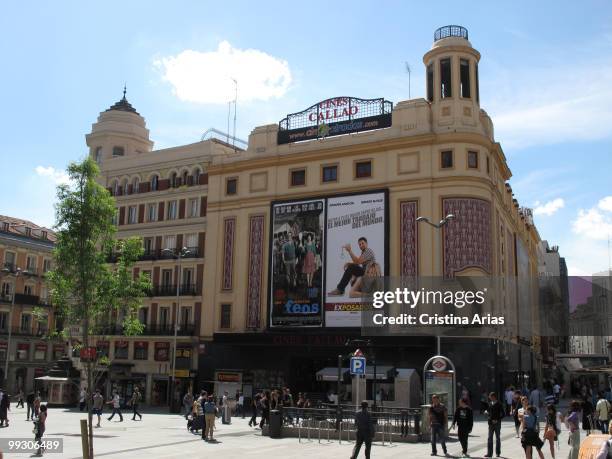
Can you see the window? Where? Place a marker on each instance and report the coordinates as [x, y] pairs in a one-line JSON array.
[[476, 77], [173, 180], [193, 207], [23, 351], [28, 231], [143, 315], [473, 159], [226, 316], [31, 263], [191, 240], [115, 219], [170, 242], [46, 265], [196, 177], [164, 315], [125, 188], [132, 215], [231, 186], [26, 322], [154, 183], [116, 188], [141, 350], [363, 169], [162, 352], [5, 226], [488, 167], [464, 75], [98, 155], [430, 82], [9, 260], [121, 349], [40, 351], [28, 290], [446, 159], [118, 151], [329, 174], [6, 290], [43, 235], [166, 278], [186, 315], [4, 320], [445, 78], [149, 243], [151, 212], [135, 185], [298, 177], [184, 178], [187, 277], [172, 210]]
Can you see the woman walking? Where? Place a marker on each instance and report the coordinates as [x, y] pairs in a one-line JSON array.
[[587, 415], [530, 438], [552, 428], [573, 425]]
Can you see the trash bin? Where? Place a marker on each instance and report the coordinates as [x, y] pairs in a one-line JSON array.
[[275, 424]]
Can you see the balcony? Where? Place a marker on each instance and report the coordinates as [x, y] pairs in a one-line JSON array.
[[22, 298], [10, 267], [170, 290], [187, 329], [29, 331], [158, 254]]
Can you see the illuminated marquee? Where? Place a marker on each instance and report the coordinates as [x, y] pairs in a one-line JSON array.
[[336, 116]]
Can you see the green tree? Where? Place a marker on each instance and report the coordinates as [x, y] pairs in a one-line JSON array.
[[85, 288]]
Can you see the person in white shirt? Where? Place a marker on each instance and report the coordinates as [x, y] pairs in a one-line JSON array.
[[116, 403], [82, 399], [556, 392], [602, 411], [509, 396]]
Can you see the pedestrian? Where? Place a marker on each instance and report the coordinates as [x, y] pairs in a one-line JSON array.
[[30, 405], [240, 405], [552, 429], [535, 398], [98, 404], [210, 413], [40, 427], [514, 412], [530, 437], [572, 423], [188, 403], [495, 413], [197, 411], [135, 401], [365, 431], [82, 399], [508, 398], [36, 404], [5, 407], [265, 409], [556, 392], [602, 413], [225, 405], [20, 398], [464, 419], [438, 418], [116, 403], [484, 403], [588, 423], [254, 406]]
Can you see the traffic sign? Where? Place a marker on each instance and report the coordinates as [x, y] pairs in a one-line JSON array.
[[358, 365]]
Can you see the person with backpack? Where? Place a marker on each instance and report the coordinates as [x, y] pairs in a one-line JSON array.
[[530, 437], [552, 428], [464, 419], [210, 413], [136, 397], [602, 413]]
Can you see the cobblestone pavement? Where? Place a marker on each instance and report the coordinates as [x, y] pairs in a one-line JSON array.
[[162, 435]]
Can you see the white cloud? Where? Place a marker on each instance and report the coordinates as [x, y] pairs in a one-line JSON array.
[[57, 177], [596, 222], [206, 77], [549, 208]]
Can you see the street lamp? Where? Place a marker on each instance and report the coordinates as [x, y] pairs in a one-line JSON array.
[[182, 254], [438, 225], [10, 321]]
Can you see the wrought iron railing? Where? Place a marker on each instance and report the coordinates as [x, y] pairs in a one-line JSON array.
[[450, 31], [170, 290]]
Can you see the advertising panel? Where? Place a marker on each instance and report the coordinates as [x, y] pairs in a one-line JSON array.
[[355, 255], [296, 260]]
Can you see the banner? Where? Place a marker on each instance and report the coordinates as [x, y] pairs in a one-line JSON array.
[[355, 261], [296, 259]]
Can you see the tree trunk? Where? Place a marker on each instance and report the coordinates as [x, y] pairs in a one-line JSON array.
[[90, 384]]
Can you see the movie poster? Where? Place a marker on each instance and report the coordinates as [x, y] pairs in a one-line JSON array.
[[297, 267], [355, 261]]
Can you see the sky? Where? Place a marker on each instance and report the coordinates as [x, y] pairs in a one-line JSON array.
[[544, 79]]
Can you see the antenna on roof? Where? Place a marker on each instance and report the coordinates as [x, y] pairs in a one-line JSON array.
[[408, 71], [235, 104], [124, 89]]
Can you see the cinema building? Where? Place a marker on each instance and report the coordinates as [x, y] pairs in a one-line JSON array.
[[275, 309]]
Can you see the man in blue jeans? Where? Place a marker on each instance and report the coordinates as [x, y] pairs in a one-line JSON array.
[[495, 414], [438, 417]]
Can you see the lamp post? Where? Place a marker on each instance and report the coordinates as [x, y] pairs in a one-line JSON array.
[[181, 254], [10, 321], [438, 225]]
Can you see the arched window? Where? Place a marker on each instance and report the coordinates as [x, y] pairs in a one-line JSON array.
[[136, 185], [154, 182], [115, 187], [196, 176], [125, 187], [173, 182], [98, 155], [184, 177]]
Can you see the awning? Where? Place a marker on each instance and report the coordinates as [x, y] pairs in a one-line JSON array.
[[571, 364], [330, 373]]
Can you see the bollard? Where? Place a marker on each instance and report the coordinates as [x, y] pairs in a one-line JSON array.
[[84, 438]]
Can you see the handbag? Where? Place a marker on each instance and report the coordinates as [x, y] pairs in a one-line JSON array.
[[549, 434]]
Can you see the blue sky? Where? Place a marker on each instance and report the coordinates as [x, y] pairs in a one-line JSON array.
[[544, 73]]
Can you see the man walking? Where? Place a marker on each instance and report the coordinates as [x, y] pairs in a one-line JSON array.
[[438, 418], [365, 431], [464, 419], [30, 404], [602, 411], [495, 414], [98, 403], [116, 403], [210, 412], [136, 397], [357, 268]]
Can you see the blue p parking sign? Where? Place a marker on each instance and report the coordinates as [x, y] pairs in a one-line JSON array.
[[358, 365]]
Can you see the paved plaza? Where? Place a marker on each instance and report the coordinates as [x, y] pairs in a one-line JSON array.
[[162, 435]]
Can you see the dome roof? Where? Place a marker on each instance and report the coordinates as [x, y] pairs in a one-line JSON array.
[[123, 105]]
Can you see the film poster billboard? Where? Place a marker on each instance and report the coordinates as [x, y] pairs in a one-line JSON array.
[[297, 267], [355, 255]]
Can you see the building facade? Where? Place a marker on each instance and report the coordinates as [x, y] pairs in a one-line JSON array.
[[26, 315], [424, 157], [161, 196]]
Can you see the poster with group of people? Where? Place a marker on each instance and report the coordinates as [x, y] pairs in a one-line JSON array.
[[328, 256]]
